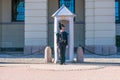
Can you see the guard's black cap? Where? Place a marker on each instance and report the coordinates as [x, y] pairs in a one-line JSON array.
[[60, 26]]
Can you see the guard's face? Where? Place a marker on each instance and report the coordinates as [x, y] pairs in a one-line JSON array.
[[63, 28]]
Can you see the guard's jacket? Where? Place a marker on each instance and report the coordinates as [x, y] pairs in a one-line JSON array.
[[62, 41], [62, 38]]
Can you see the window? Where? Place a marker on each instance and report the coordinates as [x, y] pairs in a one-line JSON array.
[[117, 11], [70, 4], [18, 10]]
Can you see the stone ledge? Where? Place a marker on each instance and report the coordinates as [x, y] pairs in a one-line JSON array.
[[102, 49], [34, 49]]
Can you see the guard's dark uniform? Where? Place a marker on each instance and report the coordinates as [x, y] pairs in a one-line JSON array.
[[62, 41]]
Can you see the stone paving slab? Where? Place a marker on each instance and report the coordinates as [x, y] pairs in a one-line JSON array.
[[27, 73], [67, 67], [56, 67]]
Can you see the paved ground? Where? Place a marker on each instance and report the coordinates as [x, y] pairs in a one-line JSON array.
[[31, 67], [34, 72]]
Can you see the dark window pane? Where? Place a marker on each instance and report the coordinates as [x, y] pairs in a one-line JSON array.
[[117, 11], [18, 10]]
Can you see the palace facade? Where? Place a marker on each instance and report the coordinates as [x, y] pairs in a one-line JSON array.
[[27, 25]]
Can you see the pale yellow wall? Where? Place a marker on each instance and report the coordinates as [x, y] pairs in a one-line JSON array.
[[79, 11], [79, 30], [13, 35], [52, 7], [12, 32], [0, 21], [79, 27], [0, 10], [36, 23], [100, 22], [6, 10]]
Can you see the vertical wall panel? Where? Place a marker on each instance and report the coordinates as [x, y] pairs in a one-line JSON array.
[[35, 16]]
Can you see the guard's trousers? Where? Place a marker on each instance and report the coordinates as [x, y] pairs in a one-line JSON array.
[[62, 53]]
